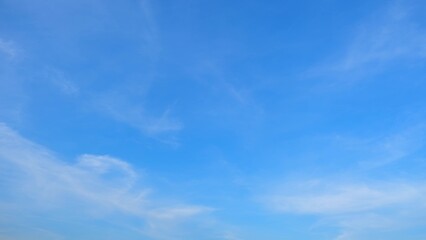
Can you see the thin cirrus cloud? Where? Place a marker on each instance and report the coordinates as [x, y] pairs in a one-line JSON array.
[[122, 108], [60, 81], [396, 147], [36, 179], [379, 150], [393, 36], [328, 198], [390, 34], [364, 204], [117, 106], [8, 48], [353, 207]]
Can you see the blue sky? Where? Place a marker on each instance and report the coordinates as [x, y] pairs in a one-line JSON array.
[[216, 120]]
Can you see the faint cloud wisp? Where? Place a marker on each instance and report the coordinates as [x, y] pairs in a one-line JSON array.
[[36, 179], [354, 206]]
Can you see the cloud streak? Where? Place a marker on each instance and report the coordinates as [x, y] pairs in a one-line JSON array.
[[120, 107], [352, 206], [327, 198], [390, 35], [34, 178], [8, 48]]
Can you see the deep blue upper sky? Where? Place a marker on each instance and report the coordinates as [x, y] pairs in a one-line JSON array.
[[234, 120]]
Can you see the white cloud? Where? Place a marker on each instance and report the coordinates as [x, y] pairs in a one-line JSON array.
[[150, 30], [34, 179], [178, 212], [324, 198], [390, 34], [390, 38], [354, 207], [395, 147], [60, 81], [122, 108], [103, 164], [380, 149], [8, 48]]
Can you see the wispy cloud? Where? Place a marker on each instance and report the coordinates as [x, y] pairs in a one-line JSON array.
[[353, 206], [59, 80], [8, 48], [120, 106], [357, 205], [396, 147], [328, 198], [12, 97], [381, 149], [391, 34], [151, 31], [34, 178]]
